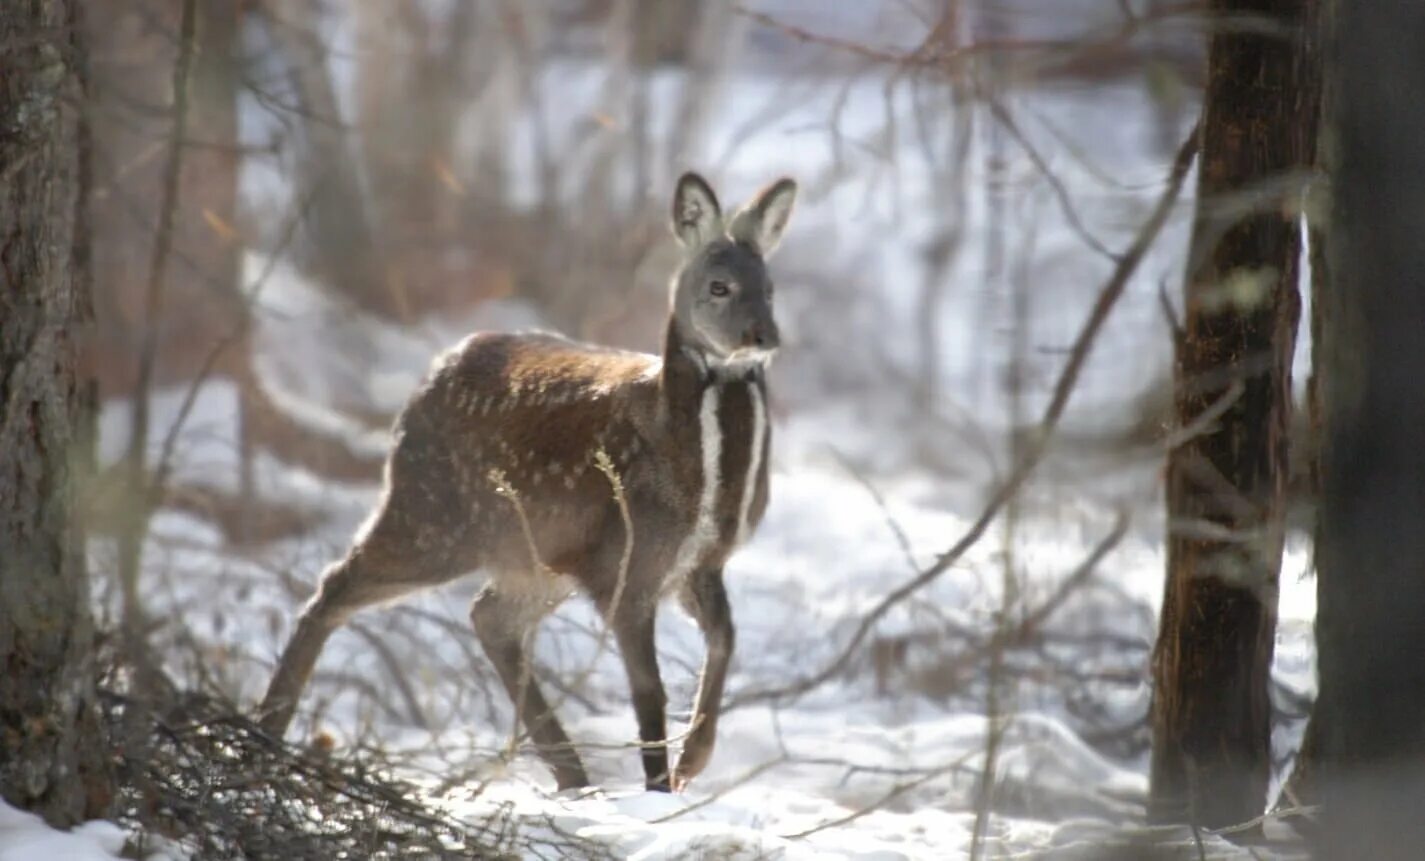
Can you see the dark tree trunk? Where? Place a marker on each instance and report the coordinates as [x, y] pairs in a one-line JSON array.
[[1369, 721], [52, 754], [1225, 487]]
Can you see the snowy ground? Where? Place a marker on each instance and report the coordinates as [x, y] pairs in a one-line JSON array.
[[845, 772], [25, 837], [884, 761]]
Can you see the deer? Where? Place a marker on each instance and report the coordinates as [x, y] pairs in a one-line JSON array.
[[558, 467]]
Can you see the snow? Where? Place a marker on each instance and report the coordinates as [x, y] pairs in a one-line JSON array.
[[862, 767], [823, 556], [886, 759], [25, 836]]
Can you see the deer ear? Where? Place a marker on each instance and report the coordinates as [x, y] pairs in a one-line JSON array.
[[761, 222], [697, 218]]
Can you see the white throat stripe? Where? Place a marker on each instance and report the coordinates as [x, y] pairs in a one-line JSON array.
[[704, 532], [754, 459]]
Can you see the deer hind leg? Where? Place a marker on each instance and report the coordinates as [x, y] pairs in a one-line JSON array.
[[382, 567], [705, 598], [502, 624]]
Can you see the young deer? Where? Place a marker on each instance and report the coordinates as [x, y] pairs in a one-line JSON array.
[[502, 463]]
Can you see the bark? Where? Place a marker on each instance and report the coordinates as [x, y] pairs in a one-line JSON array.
[[52, 755], [1369, 720], [1211, 713]]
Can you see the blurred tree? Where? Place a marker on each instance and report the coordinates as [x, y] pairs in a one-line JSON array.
[[134, 44], [203, 319], [344, 250], [1368, 725], [664, 31], [412, 87], [1211, 714], [53, 757], [133, 523]]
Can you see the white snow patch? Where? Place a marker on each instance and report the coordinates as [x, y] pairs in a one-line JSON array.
[[24, 836]]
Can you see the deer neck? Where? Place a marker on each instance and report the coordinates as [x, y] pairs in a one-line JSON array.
[[716, 409], [685, 375], [689, 370]]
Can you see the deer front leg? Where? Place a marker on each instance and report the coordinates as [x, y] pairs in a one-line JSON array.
[[634, 629], [705, 599]]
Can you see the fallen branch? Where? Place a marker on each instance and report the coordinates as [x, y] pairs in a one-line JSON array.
[[222, 788]]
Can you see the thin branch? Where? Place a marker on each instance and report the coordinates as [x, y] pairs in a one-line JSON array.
[[1067, 49], [1061, 194], [902, 540], [895, 792], [1307, 810], [396, 672], [1202, 424], [605, 464], [746, 777], [132, 538], [1035, 448], [1073, 582], [164, 467]]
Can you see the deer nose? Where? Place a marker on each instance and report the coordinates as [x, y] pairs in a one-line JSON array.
[[762, 336]]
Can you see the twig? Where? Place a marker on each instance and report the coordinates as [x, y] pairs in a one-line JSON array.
[[949, 56], [396, 673], [1170, 314], [1204, 420], [229, 790], [745, 777], [1073, 582], [1061, 194], [895, 792], [1307, 810], [164, 467], [605, 464], [891, 523], [501, 483]]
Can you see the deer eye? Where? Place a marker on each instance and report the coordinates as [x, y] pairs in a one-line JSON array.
[[719, 288]]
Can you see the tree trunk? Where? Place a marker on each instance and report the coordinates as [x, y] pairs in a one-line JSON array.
[[52, 754], [1211, 713], [1369, 721]]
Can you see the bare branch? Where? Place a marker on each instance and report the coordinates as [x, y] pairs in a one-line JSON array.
[[131, 539], [1035, 447], [1071, 215]]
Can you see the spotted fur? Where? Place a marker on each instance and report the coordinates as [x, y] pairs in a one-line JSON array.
[[521, 454]]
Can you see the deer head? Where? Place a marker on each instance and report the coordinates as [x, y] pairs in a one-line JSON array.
[[722, 295]]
